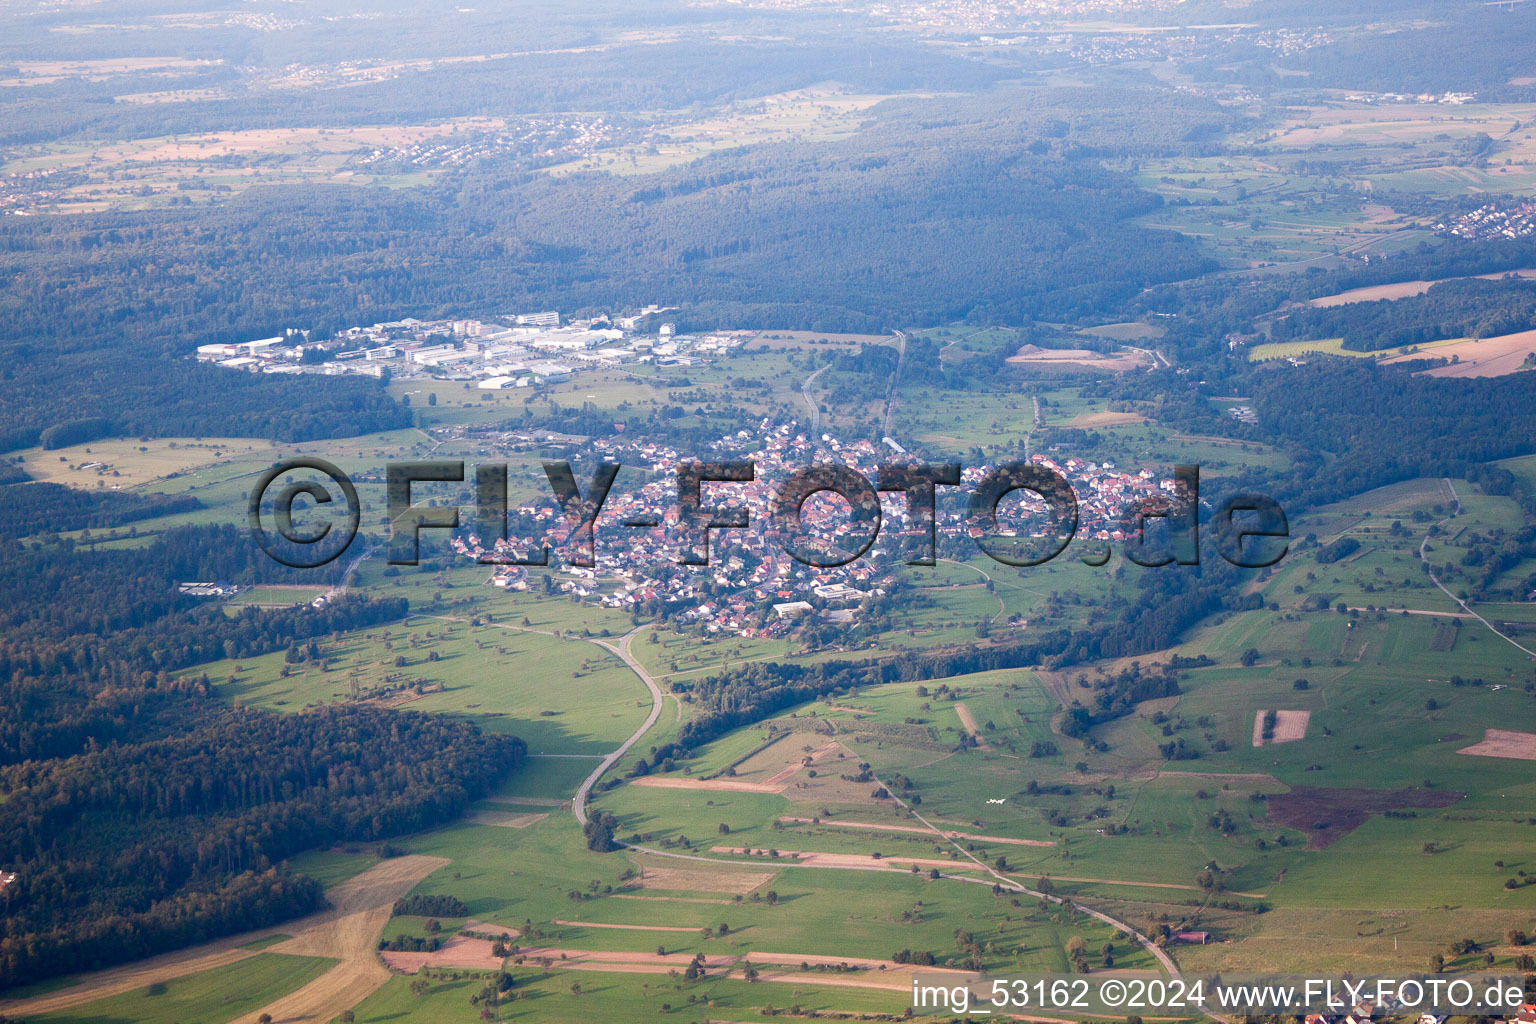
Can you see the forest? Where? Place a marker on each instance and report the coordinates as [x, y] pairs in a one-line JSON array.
[[1385, 425], [49, 508], [127, 851], [142, 813], [1464, 308], [132, 395], [906, 223]]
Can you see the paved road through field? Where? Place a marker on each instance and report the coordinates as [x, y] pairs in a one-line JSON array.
[[579, 803]]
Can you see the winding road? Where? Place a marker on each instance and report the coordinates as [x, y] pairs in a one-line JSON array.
[[579, 802], [890, 397], [1446, 590], [579, 808], [810, 401]]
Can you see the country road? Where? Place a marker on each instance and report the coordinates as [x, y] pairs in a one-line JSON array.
[[1446, 590], [579, 808], [810, 400], [579, 802], [890, 397], [361, 906], [621, 650]]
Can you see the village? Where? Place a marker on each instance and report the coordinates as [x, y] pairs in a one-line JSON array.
[[753, 586], [1492, 221]]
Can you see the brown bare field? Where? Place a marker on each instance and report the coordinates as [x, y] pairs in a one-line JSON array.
[[785, 773], [1373, 293], [1490, 357], [348, 931], [921, 831], [1034, 354], [1504, 743], [1399, 290], [702, 879], [456, 951], [361, 909], [968, 720], [1106, 419], [722, 785], [1289, 726], [777, 768]]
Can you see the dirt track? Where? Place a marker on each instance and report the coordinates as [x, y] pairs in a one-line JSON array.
[[854, 860], [475, 953], [968, 720], [362, 909], [348, 932], [920, 831]]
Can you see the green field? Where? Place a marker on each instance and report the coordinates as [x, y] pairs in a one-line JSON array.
[[212, 997], [560, 696]]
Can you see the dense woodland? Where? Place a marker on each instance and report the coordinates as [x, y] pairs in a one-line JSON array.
[[911, 221], [143, 813], [139, 847], [32, 508], [131, 395], [1471, 308], [1379, 425]]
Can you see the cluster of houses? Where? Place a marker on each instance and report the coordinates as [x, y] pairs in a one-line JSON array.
[[753, 586], [1493, 221], [541, 137], [1367, 1013]]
